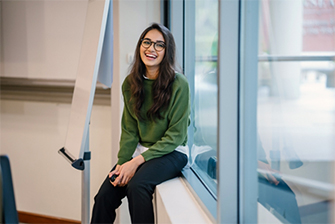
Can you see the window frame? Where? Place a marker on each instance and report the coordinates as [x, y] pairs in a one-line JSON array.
[[248, 84], [181, 33], [228, 120], [237, 96]]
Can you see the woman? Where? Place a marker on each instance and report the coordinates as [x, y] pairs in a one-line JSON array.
[[154, 129]]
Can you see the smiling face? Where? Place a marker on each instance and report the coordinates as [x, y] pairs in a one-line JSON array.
[[150, 57]]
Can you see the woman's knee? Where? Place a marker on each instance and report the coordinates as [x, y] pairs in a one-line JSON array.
[[109, 195], [139, 190], [100, 196]]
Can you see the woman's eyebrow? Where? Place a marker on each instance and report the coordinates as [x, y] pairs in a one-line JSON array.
[[153, 41]]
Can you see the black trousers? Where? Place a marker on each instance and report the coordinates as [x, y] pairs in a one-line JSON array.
[[139, 190]]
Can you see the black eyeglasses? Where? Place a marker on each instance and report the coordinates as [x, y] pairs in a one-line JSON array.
[[159, 45]]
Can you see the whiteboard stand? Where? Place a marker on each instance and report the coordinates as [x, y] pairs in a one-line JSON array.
[[83, 165], [85, 183], [97, 37]]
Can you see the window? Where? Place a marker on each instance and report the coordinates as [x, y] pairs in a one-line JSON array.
[[296, 108], [204, 107], [207, 149], [262, 77], [200, 67]]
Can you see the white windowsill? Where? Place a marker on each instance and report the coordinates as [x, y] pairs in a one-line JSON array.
[[175, 203]]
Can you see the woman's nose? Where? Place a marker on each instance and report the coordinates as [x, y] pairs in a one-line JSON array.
[[151, 47]]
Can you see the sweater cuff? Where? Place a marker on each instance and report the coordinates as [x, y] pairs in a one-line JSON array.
[[146, 156], [121, 161]]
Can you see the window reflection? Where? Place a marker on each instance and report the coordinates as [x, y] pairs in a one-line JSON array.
[[203, 152], [296, 108]]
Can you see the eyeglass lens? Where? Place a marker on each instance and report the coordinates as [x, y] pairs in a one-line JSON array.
[[159, 45]]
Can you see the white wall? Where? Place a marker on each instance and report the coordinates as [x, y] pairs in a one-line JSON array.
[[31, 135], [32, 132]]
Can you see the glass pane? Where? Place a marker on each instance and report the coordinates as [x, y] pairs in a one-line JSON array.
[[203, 152], [296, 112]]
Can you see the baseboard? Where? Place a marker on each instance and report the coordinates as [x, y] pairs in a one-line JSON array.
[[28, 217]]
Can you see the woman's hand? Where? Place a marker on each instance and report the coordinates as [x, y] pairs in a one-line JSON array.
[[115, 171], [268, 172], [126, 171]]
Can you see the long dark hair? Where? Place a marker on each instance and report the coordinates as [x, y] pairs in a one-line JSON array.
[[161, 90]]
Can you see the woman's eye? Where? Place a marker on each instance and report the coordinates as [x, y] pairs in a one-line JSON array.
[[160, 45], [146, 42]]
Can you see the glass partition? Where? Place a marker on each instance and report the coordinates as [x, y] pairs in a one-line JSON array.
[[203, 150], [296, 111], [295, 106]]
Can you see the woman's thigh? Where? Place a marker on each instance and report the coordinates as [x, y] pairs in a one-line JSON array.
[[158, 170]]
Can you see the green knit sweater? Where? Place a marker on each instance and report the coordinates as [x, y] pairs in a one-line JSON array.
[[161, 136]]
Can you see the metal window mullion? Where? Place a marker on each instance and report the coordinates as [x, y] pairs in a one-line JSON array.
[[248, 64], [189, 62], [276, 58], [298, 58], [227, 169]]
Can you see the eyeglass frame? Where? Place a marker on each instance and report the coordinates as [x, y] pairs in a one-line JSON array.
[[152, 42]]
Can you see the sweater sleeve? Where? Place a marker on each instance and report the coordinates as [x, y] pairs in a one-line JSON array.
[[129, 132], [178, 116]]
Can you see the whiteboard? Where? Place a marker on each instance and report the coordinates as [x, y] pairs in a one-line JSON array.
[[90, 64], [42, 39]]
